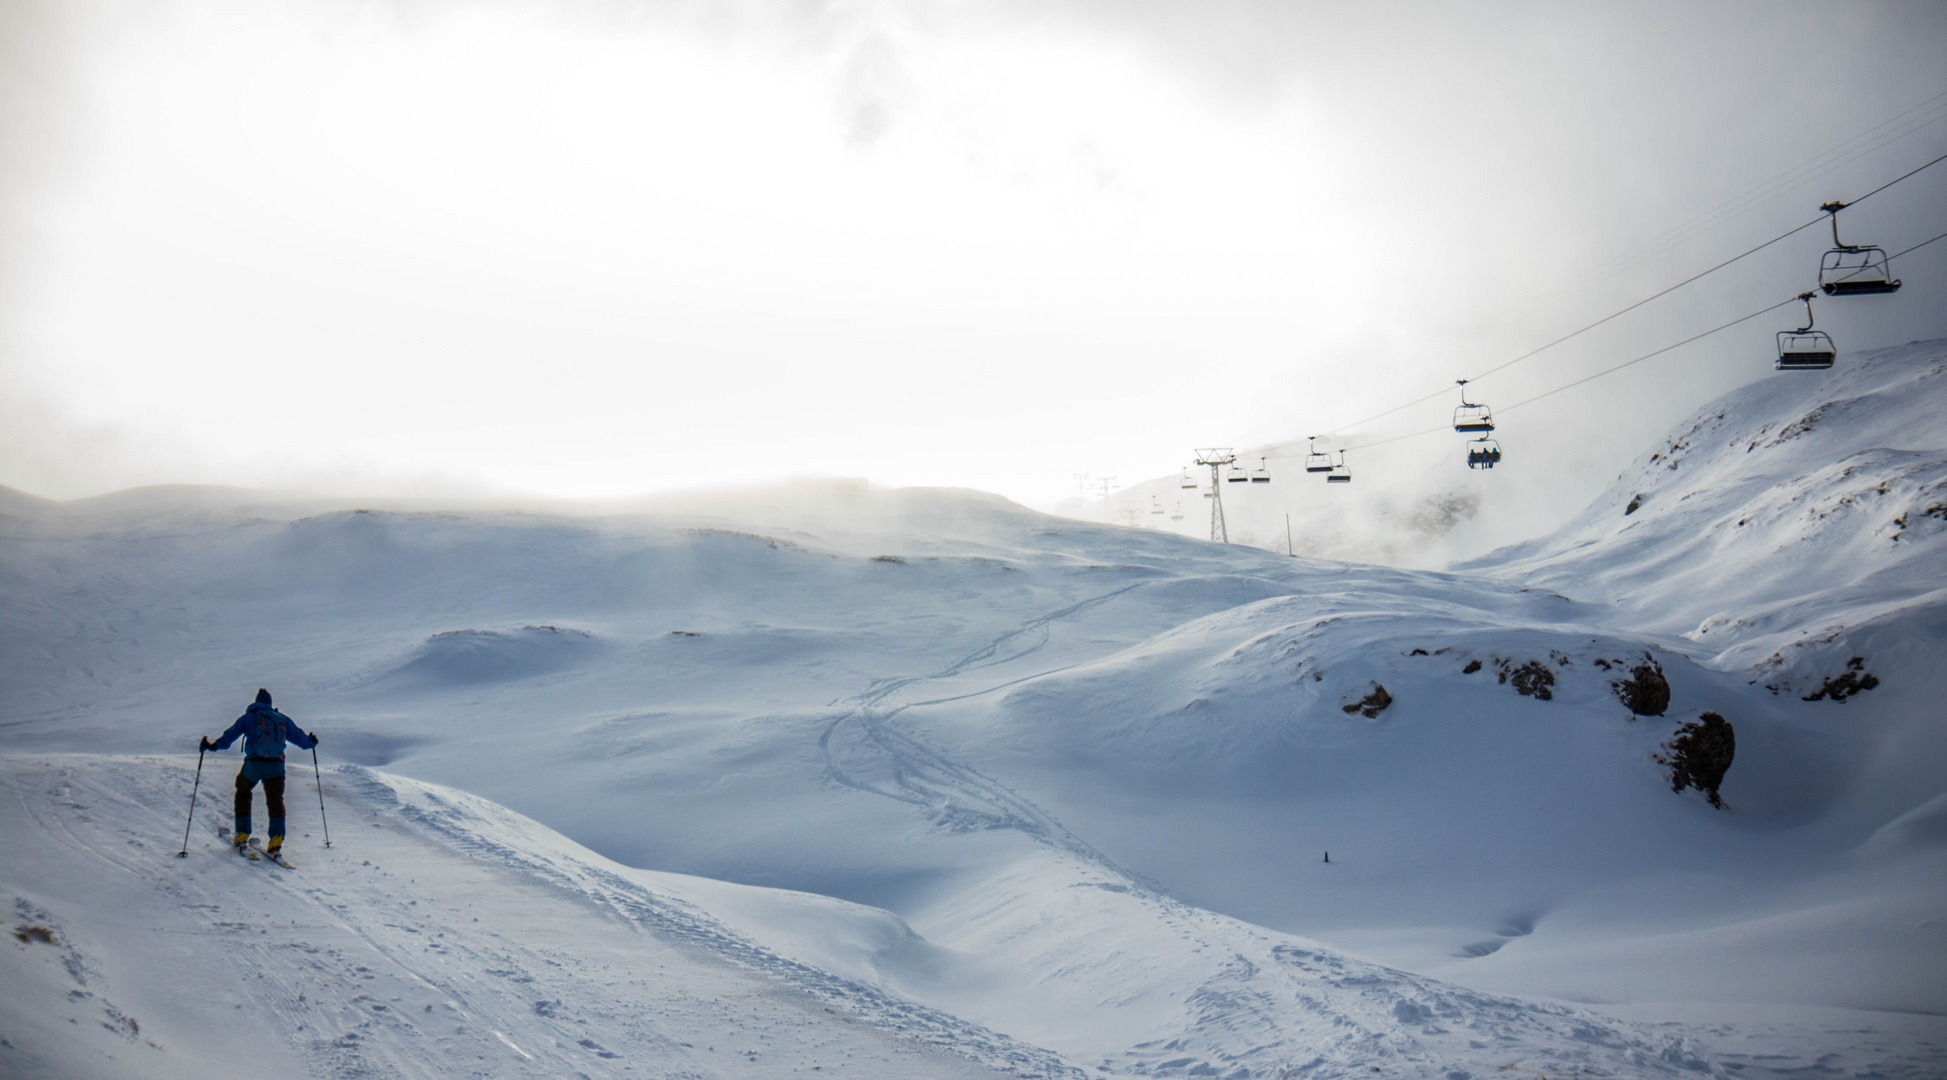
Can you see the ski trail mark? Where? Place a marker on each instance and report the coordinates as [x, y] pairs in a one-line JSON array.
[[1036, 625], [511, 1045], [894, 765]]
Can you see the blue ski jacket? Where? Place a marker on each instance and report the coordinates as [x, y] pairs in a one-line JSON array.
[[264, 731]]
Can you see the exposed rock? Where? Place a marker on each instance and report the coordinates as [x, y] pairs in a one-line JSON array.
[[1937, 510], [1803, 424], [1372, 704], [1700, 755], [1532, 679], [1472, 666], [1854, 680], [1646, 692]]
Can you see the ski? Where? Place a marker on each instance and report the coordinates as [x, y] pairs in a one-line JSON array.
[[230, 839], [274, 856]]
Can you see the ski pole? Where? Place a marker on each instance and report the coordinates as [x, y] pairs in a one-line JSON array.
[[184, 853], [320, 778]]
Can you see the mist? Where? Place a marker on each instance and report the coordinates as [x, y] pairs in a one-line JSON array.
[[596, 251]]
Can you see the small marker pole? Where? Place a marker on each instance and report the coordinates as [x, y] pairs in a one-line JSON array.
[[1328, 856], [1288, 549], [320, 779], [184, 853]]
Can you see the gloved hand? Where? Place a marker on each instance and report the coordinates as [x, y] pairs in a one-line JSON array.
[[314, 737], [205, 744]]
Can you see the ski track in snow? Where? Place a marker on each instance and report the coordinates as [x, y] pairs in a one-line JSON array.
[[367, 961], [954, 795], [350, 967], [366, 974]]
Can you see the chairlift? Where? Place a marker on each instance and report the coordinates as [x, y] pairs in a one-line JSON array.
[[1155, 505], [1805, 349], [1261, 474], [1470, 417], [1339, 474], [1483, 453], [1854, 269], [1315, 461], [1188, 482], [1177, 514], [1237, 475]]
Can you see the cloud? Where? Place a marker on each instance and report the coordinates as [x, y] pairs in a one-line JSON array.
[[608, 243], [874, 89], [37, 107]]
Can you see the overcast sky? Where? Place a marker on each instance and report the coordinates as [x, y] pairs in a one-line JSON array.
[[593, 249]]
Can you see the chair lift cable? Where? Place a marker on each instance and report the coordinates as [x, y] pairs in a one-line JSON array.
[[1645, 300], [1646, 356], [1694, 277], [1935, 110], [1918, 246], [1591, 326], [1597, 375], [1612, 370]]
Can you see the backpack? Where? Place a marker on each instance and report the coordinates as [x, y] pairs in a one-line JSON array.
[[266, 734]]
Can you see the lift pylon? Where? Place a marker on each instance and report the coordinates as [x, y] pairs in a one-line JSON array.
[[1217, 457]]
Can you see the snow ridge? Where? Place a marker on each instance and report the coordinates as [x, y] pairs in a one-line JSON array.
[[1790, 510], [966, 789], [488, 833], [361, 972]]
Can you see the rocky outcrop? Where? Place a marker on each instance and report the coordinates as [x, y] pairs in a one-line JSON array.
[[1646, 692], [1700, 755]]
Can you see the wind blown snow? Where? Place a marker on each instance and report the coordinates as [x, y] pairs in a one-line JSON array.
[[921, 783]]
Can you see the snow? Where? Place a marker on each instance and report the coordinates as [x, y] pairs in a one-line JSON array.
[[1828, 494], [1002, 792], [439, 935]]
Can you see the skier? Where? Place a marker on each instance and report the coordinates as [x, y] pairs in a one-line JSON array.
[[264, 731]]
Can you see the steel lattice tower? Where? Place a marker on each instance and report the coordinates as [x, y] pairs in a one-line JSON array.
[[1217, 457]]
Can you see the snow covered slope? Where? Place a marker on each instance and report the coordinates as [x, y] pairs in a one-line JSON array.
[[441, 935], [438, 936], [1082, 779], [1803, 506]]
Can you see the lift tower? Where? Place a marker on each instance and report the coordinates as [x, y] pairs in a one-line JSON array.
[[1217, 457]]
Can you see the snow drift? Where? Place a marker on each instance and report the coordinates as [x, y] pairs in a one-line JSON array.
[[1066, 791]]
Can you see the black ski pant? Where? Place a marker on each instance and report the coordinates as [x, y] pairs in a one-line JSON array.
[[273, 800]]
